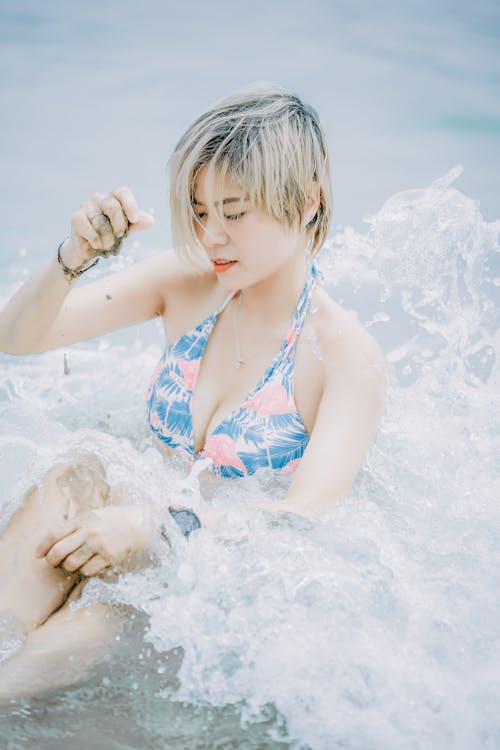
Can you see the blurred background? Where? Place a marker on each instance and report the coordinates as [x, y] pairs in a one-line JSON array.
[[95, 94]]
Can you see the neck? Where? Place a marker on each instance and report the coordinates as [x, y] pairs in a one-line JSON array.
[[274, 298]]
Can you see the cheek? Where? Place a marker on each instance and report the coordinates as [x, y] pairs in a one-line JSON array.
[[278, 244], [199, 234], [271, 235]]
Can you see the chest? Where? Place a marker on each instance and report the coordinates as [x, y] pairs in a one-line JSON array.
[[220, 387]]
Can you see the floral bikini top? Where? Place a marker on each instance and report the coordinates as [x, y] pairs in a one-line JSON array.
[[265, 432]]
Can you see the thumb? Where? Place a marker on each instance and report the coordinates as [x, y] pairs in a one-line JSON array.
[[144, 221]]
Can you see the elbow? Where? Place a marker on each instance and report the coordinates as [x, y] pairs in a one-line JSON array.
[[8, 347], [15, 349]]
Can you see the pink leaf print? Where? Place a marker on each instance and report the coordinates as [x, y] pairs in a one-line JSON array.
[[222, 450], [290, 467], [271, 399], [189, 370]]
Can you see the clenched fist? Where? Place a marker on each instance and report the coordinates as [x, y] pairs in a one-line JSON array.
[[101, 225]]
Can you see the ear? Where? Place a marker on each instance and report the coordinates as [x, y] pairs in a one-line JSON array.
[[312, 203]]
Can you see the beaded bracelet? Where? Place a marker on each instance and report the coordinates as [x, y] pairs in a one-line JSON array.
[[72, 273], [185, 518]]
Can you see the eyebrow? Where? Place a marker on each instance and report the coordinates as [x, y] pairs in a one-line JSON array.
[[241, 198]]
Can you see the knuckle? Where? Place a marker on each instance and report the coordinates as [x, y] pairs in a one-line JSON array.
[[54, 559], [54, 548], [108, 201], [98, 221]]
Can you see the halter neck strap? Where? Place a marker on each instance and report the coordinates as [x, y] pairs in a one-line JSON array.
[[314, 275]]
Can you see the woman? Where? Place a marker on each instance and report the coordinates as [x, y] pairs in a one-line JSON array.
[[263, 370]]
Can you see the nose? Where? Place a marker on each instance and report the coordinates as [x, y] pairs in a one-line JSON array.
[[213, 233]]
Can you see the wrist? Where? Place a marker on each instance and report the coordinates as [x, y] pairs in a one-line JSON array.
[[69, 256], [71, 261], [185, 518]]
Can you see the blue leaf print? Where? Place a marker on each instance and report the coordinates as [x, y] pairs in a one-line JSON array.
[[287, 445], [192, 345], [170, 384], [254, 459], [228, 472], [178, 417], [241, 423]]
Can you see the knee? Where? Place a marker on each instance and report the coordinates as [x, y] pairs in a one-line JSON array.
[[82, 486]]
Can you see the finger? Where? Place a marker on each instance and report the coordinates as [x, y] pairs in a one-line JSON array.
[[144, 221], [81, 228], [55, 535], [102, 226], [128, 202], [112, 208], [95, 565], [77, 558], [61, 549]]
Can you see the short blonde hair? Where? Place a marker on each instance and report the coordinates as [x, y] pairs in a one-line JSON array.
[[271, 144]]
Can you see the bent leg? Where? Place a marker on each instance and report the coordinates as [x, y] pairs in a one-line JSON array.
[[62, 651], [30, 589]]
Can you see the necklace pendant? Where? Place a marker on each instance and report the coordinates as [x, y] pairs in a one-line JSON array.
[[240, 362]]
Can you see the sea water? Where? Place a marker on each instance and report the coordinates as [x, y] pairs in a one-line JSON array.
[[374, 624]]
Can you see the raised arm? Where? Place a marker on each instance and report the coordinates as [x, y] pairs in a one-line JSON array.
[[48, 311]]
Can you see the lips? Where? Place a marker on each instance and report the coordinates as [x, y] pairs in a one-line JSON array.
[[222, 264]]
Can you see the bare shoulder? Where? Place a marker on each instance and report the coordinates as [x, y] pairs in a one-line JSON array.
[[187, 294], [181, 280], [168, 271], [345, 344], [175, 280]]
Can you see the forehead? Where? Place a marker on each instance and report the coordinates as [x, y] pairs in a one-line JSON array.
[[205, 187]]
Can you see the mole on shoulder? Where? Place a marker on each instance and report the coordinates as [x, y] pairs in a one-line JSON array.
[[108, 296]]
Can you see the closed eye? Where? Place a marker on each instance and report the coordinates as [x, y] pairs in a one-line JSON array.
[[231, 217]]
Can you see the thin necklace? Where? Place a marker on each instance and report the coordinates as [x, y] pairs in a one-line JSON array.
[[239, 359]]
